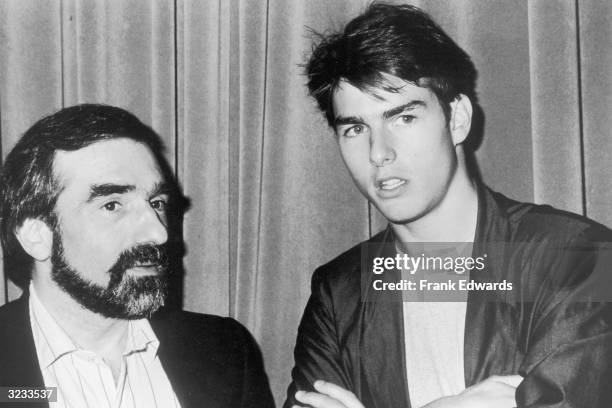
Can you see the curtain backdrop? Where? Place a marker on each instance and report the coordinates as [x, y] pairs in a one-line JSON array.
[[270, 199]]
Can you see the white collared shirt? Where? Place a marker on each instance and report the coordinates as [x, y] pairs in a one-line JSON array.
[[83, 379]]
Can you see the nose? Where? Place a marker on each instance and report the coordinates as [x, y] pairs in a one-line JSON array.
[[381, 151], [152, 228]]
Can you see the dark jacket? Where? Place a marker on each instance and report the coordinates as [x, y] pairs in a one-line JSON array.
[[554, 328], [210, 361]]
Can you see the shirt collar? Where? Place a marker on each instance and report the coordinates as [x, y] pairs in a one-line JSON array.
[[50, 339], [141, 338], [52, 342]]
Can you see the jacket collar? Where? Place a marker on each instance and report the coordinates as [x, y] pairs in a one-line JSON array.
[[382, 354]]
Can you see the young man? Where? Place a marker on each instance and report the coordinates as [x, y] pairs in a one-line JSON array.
[[83, 212], [398, 93]]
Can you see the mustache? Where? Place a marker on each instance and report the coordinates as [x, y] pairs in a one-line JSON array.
[[140, 255], [145, 254]]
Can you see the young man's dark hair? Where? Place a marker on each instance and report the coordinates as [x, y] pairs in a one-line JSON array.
[[400, 40], [399, 94], [28, 187]]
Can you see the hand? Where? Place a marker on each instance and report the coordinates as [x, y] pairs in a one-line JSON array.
[[494, 392], [328, 396]]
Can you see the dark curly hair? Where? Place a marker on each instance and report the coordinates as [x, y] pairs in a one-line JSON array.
[[399, 40]]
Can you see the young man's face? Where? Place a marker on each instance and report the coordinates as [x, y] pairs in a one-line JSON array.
[[108, 247], [397, 147]]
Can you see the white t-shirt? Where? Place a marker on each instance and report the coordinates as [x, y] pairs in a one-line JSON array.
[[434, 343]]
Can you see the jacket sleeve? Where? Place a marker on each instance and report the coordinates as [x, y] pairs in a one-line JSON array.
[[569, 354], [317, 351]]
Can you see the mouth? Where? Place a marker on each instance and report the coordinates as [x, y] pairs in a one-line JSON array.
[[390, 183], [145, 269], [390, 187]]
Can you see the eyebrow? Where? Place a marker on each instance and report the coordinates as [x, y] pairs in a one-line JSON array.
[[349, 120], [104, 190], [346, 120], [403, 108]]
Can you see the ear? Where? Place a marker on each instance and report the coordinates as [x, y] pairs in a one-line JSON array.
[[461, 119], [36, 238]]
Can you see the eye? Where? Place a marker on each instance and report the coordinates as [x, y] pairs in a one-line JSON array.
[[354, 130], [159, 204], [112, 206], [405, 119]]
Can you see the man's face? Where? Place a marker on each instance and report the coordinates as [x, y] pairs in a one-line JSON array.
[[397, 147], [108, 249]]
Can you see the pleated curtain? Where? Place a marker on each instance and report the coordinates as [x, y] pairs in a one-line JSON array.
[[221, 82]]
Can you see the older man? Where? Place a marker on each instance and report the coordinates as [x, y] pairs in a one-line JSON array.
[[84, 210]]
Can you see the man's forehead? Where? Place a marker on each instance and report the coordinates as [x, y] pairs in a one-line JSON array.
[[121, 161], [348, 99]]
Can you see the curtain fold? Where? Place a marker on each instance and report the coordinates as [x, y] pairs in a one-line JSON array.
[[595, 22], [222, 83], [203, 156], [248, 90], [555, 104]]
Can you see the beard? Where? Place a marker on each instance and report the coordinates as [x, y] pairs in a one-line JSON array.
[[125, 297]]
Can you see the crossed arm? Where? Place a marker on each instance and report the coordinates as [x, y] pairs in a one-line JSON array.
[[567, 363], [496, 391]]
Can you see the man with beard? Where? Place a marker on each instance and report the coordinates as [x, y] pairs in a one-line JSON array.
[[84, 206]]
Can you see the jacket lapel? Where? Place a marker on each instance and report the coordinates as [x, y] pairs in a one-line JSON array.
[[182, 367], [19, 360], [482, 307], [383, 365]]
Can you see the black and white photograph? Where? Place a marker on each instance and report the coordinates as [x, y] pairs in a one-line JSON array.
[[309, 203]]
